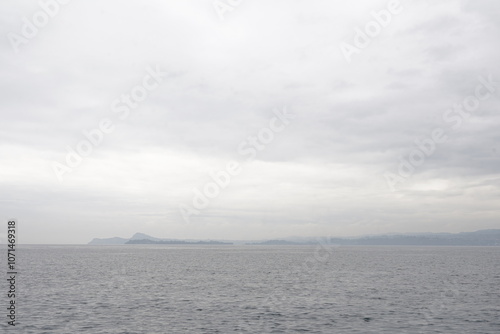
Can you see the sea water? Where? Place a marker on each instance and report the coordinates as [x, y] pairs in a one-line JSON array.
[[256, 289]]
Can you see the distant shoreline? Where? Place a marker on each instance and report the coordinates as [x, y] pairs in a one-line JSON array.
[[174, 242], [477, 238]]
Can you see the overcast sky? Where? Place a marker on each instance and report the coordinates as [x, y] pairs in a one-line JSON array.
[[330, 167]]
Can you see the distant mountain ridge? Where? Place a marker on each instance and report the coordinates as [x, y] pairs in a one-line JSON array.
[[489, 237], [118, 241], [141, 238]]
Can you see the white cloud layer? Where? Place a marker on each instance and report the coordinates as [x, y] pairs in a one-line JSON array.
[[322, 175]]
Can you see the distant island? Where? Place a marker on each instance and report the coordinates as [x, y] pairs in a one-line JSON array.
[[477, 238], [144, 239], [175, 242]]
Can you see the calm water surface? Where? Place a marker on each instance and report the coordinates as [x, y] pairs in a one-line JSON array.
[[257, 289]]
